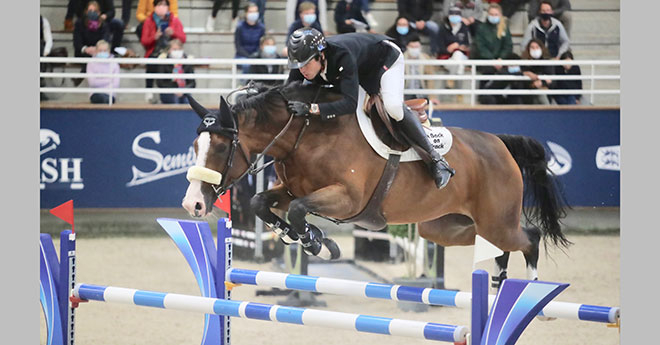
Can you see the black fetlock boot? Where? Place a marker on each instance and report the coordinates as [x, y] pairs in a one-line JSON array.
[[311, 240], [315, 243], [413, 131]]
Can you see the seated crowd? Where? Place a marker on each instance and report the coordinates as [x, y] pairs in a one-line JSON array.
[[468, 29]]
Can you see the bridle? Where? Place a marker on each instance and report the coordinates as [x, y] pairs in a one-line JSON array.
[[211, 176]]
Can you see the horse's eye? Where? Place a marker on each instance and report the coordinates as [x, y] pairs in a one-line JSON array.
[[220, 148]]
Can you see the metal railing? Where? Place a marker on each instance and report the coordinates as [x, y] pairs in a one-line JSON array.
[[236, 76]]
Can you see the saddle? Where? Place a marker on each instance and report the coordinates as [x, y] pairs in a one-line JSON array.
[[385, 127], [371, 217]]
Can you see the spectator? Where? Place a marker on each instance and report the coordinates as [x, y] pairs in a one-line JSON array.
[[248, 35], [454, 42], [401, 32], [472, 12], [560, 10], [349, 18], [568, 69], [145, 9], [217, 4], [174, 51], [268, 50], [492, 41], [419, 13], [511, 70], [293, 12], [158, 30], [307, 18], [88, 30], [548, 30], [106, 12], [109, 67], [536, 50], [414, 52]]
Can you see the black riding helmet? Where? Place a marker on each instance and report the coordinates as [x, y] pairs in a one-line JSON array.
[[303, 45]]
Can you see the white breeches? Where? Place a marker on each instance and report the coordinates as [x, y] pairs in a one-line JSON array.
[[391, 87]]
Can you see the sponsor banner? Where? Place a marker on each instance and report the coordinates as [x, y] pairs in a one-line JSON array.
[[115, 158], [584, 145], [139, 158]]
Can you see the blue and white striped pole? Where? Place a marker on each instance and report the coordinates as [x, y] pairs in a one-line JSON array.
[[563, 310], [267, 312]]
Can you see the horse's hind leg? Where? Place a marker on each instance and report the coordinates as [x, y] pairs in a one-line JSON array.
[[532, 254], [332, 201], [276, 197]]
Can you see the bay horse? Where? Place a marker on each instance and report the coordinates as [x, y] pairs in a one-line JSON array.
[[329, 169]]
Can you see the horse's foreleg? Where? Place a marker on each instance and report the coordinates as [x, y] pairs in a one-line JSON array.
[[501, 265], [332, 200], [278, 198]]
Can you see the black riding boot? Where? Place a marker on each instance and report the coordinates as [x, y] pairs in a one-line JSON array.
[[413, 131]]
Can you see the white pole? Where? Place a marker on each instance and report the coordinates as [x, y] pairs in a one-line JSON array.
[[258, 223], [473, 84]]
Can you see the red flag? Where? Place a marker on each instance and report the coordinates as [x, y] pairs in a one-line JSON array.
[[224, 203], [65, 213]]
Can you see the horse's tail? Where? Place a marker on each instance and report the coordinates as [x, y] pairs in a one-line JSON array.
[[547, 205]]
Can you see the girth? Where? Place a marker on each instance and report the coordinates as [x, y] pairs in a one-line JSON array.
[[371, 217]]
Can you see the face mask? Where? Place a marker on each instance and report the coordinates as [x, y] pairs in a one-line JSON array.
[[269, 50], [402, 30], [494, 19], [414, 52], [535, 53], [309, 18], [176, 54], [252, 17], [513, 69], [103, 55], [349, 1], [92, 15], [545, 16], [454, 19]]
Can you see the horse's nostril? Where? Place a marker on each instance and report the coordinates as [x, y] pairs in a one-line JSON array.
[[198, 206]]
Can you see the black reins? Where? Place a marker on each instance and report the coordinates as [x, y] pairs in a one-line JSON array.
[[232, 134]]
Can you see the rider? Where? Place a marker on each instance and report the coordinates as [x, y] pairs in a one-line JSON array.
[[358, 59]]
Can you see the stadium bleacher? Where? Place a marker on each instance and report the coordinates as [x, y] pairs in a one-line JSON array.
[[595, 35]]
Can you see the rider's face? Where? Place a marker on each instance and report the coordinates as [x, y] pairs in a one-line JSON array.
[[311, 69]]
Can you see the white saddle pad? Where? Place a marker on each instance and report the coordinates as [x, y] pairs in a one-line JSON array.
[[440, 137]]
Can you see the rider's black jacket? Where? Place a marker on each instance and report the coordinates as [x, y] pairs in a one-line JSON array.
[[352, 59]]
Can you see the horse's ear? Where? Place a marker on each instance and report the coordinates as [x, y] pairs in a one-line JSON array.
[[226, 118], [198, 108]]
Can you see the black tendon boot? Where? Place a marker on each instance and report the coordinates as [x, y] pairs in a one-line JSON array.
[[413, 131]]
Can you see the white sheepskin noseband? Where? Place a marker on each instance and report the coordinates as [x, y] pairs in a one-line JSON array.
[[204, 174]]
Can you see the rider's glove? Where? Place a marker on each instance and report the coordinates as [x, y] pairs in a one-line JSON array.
[[298, 108]]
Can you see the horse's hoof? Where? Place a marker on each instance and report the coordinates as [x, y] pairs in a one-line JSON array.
[[330, 250], [314, 248]]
